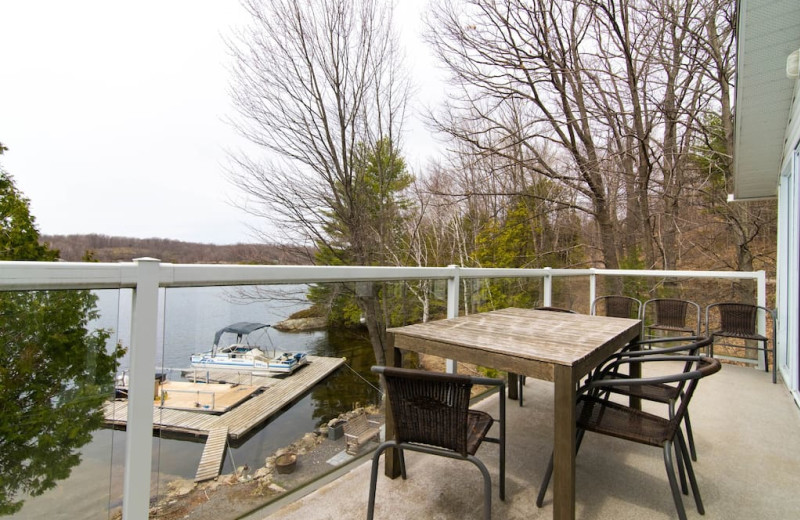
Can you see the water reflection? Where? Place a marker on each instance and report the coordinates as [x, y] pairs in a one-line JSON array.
[[353, 385]]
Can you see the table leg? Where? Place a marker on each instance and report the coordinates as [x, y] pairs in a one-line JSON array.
[[635, 371], [513, 387], [564, 444], [392, 456]]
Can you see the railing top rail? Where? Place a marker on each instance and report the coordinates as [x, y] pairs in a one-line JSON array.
[[92, 275]]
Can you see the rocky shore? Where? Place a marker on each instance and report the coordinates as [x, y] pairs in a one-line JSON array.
[[233, 495], [301, 324]]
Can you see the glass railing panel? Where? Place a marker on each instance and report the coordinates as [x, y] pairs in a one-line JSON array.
[[488, 294], [59, 457], [266, 411]]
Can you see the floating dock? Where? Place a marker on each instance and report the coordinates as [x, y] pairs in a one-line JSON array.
[[237, 421]]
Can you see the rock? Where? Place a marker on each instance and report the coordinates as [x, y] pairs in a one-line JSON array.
[[301, 324], [180, 487], [276, 488]]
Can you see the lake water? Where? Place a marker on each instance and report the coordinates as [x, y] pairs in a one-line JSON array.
[[189, 318]]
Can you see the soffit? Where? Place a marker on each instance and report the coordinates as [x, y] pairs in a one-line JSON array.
[[768, 31]]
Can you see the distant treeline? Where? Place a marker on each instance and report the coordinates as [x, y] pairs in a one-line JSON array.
[[103, 248]]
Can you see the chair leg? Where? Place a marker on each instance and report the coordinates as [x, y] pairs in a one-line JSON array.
[[774, 364], [373, 477], [402, 456], [502, 454], [673, 482], [545, 482], [692, 479], [520, 386], [690, 436], [548, 474], [487, 487], [678, 457], [681, 471]]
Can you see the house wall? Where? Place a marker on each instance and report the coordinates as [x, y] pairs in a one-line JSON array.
[[788, 296]]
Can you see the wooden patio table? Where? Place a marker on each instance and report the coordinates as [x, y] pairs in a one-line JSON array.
[[552, 346]]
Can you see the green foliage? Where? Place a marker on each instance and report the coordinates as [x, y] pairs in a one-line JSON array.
[[19, 238], [488, 372], [54, 379], [362, 232], [55, 374], [338, 300], [525, 236], [365, 216], [636, 286], [712, 156]]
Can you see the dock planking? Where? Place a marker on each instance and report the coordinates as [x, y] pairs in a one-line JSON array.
[[236, 422], [213, 453]]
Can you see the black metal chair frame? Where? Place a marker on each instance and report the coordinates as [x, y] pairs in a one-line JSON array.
[[671, 315], [438, 403], [660, 393], [594, 396], [739, 320], [615, 304]]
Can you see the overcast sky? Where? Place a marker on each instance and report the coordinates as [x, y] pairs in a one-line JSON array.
[[113, 113]]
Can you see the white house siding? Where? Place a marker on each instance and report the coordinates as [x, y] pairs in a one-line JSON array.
[[789, 253]]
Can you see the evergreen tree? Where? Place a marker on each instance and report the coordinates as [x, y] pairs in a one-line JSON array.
[[56, 372]]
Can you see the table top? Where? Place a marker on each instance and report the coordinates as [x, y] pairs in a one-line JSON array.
[[525, 341]]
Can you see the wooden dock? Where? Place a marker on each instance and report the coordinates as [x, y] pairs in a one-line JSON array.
[[238, 421], [213, 453]]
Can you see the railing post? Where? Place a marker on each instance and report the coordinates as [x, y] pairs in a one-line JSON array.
[[592, 287], [453, 284], [548, 289], [761, 299], [139, 444]]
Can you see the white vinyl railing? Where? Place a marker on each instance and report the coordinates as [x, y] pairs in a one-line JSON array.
[[146, 276]]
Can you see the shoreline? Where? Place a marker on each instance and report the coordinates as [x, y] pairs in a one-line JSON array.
[[235, 494]]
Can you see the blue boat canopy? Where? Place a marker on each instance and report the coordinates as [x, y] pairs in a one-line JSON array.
[[240, 329]]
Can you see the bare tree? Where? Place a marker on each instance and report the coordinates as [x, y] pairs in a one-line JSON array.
[[602, 97], [319, 88]]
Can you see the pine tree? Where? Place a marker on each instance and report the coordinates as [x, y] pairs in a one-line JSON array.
[[56, 372]]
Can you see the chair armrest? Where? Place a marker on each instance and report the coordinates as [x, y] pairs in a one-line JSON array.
[[634, 355], [602, 380], [672, 339], [487, 381]]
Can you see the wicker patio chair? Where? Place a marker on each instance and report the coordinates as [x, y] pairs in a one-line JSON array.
[[671, 315], [431, 415], [739, 320], [521, 377], [617, 306], [659, 392], [595, 413]]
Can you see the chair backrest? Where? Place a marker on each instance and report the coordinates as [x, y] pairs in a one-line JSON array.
[[736, 319], [672, 312], [429, 407], [618, 306]]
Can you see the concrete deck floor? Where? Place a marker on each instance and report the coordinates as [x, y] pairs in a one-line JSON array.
[[747, 432]]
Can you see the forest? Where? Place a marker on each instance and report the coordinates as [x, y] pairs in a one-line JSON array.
[[104, 248], [580, 133]]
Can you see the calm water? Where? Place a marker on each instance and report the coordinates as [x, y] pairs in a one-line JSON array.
[[189, 319]]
